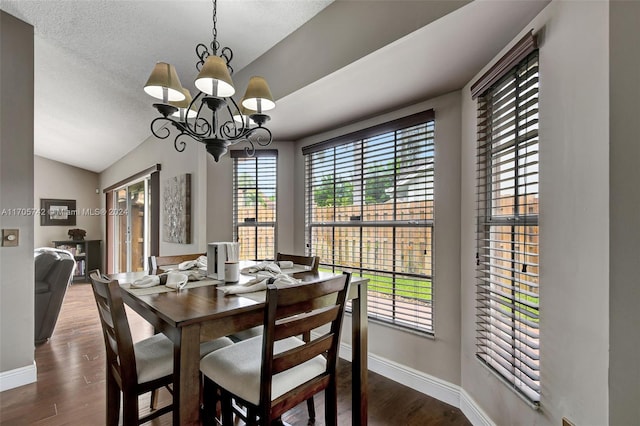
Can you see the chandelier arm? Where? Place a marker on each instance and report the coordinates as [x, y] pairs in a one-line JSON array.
[[199, 122], [236, 109], [250, 150], [227, 54], [230, 129], [202, 52], [205, 127], [262, 140], [179, 144], [162, 132]]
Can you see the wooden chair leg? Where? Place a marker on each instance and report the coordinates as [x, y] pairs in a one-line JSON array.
[[113, 401], [210, 402], [311, 408], [130, 409], [227, 410], [154, 399], [252, 417], [331, 405]]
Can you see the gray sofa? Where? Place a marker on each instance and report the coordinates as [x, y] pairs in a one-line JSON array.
[[53, 273]]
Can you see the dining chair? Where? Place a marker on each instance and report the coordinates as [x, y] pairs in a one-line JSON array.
[[311, 261], [274, 372], [134, 368], [155, 262]]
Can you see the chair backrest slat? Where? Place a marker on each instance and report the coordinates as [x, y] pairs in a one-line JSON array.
[[304, 322], [311, 261], [157, 261], [286, 360], [311, 293]]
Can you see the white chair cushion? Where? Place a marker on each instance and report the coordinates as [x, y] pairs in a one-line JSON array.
[[237, 369], [214, 345], [247, 334], [154, 355]]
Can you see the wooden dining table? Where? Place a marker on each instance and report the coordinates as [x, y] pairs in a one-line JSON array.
[[201, 313]]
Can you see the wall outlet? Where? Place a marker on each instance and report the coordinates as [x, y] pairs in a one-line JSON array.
[[10, 237]]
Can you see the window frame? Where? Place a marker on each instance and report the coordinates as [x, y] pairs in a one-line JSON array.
[[256, 156], [362, 226]]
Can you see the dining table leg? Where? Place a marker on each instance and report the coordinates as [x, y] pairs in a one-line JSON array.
[[359, 357], [186, 391]]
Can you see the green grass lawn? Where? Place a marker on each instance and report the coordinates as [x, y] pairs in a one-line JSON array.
[[412, 288]]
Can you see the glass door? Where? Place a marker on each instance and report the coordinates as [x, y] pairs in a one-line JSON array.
[[131, 227]]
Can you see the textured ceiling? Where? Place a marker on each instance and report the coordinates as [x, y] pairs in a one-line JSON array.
[[327, 63], [93, 57]]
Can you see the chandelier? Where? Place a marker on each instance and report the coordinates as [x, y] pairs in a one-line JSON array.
[[212, 117]]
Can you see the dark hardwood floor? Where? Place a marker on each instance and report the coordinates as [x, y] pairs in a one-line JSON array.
[[71, 381]]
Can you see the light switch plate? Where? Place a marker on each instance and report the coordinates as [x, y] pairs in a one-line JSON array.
[[10, 237]]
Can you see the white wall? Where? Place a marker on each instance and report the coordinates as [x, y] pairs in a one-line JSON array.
[[52, 179], [574, 226], [193, 160], [16, 192], [439, 357], [624, 369]]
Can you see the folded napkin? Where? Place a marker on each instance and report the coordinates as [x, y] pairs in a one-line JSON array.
[[200, 262], [176, 280], [285, 264], [195, 274], [146, 281], [259, 283], [263, 266]]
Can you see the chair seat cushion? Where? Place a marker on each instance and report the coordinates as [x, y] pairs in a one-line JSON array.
[[237, 369], [246, 334], [154, 355]]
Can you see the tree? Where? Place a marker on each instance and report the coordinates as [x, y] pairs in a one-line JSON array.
[[333, 193], [377, 183]]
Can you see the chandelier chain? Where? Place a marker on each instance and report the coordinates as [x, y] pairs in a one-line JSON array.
[[214, 30]]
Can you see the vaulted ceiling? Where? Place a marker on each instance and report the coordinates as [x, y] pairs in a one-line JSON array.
[[328, 62]]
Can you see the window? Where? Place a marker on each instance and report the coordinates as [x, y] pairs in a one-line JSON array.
[[369, 210], [255, 203], [507, 228]]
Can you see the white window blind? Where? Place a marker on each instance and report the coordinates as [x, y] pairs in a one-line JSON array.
[[369, 210], [507, 223], [255, 203]]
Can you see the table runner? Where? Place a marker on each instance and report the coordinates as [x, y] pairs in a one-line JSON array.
[[258, 296], [164, 289]]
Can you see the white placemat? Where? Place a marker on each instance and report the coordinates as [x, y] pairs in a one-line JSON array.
[[256, 296]]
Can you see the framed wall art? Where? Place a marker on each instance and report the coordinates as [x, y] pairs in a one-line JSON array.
[[176, 208], [55, 212]]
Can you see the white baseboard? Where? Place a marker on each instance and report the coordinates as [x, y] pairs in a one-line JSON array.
[[426, 384], [473, 412], [18, 377]]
